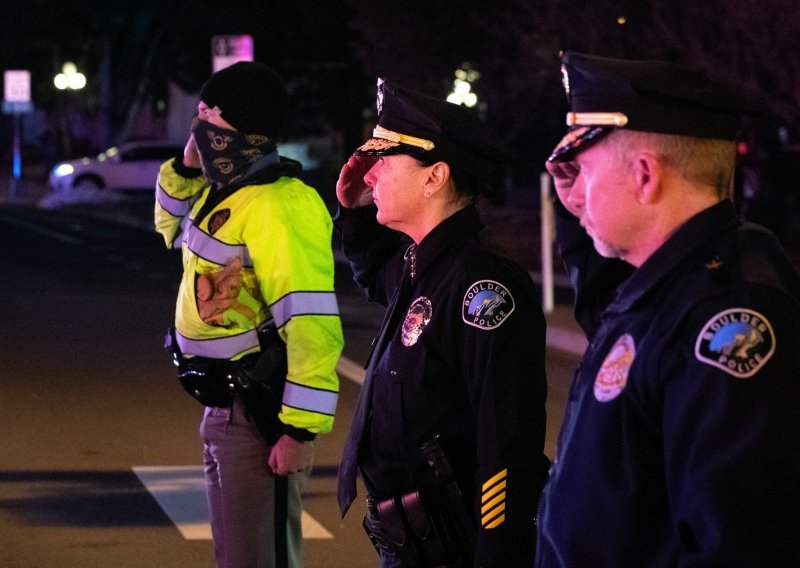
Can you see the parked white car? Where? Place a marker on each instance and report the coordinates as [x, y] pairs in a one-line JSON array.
[[132, 166]]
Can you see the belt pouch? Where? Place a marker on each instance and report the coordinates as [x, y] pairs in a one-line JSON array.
[[259, 381], [202, 377], [387, 530], [427, 528], [204, 380]]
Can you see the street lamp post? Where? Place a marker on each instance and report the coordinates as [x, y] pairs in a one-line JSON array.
[[462, 87], [70, 79]]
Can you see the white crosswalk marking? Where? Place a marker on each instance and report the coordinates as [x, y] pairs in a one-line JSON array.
[[180, 491]]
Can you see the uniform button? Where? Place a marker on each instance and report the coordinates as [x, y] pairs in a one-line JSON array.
[[197, 393], [393, 372]]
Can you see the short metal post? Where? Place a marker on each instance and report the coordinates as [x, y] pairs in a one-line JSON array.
[[548, 237]]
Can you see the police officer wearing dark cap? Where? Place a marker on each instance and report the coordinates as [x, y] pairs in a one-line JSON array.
[[680, 442], [448, 433], [257, 333]]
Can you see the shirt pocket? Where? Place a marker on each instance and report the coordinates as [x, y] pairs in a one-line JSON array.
[[399, 402]]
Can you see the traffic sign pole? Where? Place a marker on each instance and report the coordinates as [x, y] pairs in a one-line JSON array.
[[16, 101], [15, 188]]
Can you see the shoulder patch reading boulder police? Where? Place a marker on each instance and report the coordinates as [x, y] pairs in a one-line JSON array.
[[487, 304], [738, 341]]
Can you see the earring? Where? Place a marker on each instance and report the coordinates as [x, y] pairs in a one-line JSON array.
[[427, 193]]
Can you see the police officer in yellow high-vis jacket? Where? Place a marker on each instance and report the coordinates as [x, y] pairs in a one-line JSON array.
[[257, 255]]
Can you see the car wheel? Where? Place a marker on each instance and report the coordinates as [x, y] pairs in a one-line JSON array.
[[88, 183]]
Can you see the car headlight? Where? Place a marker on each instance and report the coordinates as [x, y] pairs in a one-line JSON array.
[[62, 170]]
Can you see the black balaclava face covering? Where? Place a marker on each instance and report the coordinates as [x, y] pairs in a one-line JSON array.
[[227, 155]]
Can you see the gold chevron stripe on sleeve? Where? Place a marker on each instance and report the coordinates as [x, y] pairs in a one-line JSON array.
[[493, 490], [493, 500], [499, 499], [495, 517], [489, 482]]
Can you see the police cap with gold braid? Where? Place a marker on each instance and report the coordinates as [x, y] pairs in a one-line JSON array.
[[434, 130], [649, 96]]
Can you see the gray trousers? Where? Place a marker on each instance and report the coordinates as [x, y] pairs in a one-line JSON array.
[[241, 493]]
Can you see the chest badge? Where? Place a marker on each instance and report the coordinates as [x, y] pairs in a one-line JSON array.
[[613, 374], [487, 304], [738, 341], [417, 317], [218, 219]]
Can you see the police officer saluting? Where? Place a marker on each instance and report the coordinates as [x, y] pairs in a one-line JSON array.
[[449, 428], [257, 332], [680, 443]]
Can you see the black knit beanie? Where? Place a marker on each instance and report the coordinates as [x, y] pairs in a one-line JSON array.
[[250, 96]]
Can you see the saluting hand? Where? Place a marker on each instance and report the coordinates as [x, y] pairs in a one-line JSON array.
[[565, 173], [191, 157], [351, 190]]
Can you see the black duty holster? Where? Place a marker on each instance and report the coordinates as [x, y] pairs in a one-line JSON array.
[[415, 528], [257, 379]]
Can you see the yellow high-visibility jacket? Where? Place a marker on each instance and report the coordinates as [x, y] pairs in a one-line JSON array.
[[282, 233]]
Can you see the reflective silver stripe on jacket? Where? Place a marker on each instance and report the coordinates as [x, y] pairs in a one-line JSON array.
[[181, 236], [176, 208], [173, 206], [219, 347], [205, 246], [313, 400], [303, 304]]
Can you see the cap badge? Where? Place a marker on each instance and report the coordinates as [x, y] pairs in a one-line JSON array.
[[377, 145], [613, 374], [487, 304], [417, 317], [379, 97], [738, 341]]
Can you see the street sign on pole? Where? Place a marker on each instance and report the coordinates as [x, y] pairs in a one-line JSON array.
[[16, 101], [229, 49], [17, 86], [17, 92]]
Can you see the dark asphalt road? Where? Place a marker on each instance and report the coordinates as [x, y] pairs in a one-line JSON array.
[[87, 394]]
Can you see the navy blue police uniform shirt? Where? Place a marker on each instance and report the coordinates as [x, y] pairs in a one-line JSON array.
[[681, 441], [463, 358]]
